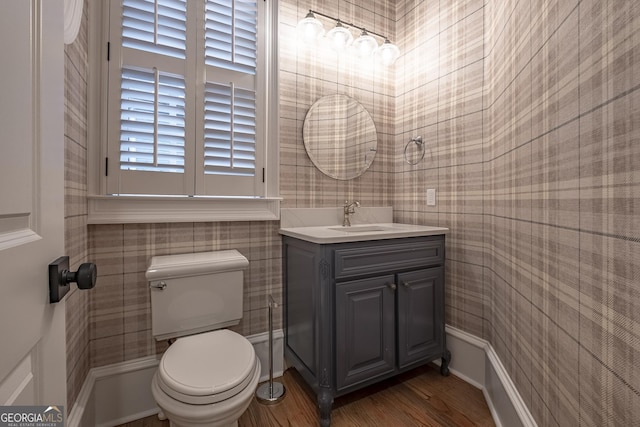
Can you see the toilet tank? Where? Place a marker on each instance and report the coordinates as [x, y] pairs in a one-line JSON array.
[[192, 293]]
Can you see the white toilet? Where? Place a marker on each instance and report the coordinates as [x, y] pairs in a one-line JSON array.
[[208, 376]]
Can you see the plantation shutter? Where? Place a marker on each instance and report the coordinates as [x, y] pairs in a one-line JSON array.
[[152, 104], [152, 121], [230, 93], [183, 100], [155, 26], [230, 34], [230, 127]]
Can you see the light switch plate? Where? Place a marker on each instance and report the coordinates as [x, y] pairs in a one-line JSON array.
[[431, 197]]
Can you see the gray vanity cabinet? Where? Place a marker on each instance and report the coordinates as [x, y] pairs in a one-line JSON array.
[[420, 315], [365, 330], [356, 313]]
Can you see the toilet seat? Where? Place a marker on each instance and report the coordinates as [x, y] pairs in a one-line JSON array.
[[207, 368]]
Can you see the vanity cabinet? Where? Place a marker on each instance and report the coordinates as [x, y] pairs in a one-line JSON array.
[[365, 330], [356, 313]]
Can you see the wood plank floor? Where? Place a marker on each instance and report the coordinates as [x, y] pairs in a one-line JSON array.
[[421, 397]]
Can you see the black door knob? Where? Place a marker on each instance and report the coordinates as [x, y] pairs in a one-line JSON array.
[[60, 277], [85, 277]]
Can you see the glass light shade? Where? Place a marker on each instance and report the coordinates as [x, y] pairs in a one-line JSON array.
[[340, 37], [365, 45], [310, 29], [388, 52]]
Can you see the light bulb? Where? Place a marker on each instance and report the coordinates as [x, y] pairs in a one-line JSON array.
[[365, 44], [340, 37], [310, 29], [388, 52]]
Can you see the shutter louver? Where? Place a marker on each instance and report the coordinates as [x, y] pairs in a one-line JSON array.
[[152, 121], [157, 26], [230, 128], [230, 35]]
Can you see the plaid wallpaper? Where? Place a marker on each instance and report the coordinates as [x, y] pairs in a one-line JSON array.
[[75, 208], [530, 113], [562, 180]]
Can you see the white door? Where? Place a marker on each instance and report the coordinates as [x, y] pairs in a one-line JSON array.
[[32, 331]]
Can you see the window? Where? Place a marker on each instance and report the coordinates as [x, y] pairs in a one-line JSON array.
[[187, 109]]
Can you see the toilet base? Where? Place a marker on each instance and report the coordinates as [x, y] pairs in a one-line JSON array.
[[234, 424]]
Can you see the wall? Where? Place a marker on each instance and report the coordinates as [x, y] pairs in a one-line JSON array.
[[531, 114], [75, 213], [309, 72], [120, 313], [440, 97], [562, 180]]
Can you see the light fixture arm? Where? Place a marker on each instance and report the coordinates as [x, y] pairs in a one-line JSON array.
[[348, 24]]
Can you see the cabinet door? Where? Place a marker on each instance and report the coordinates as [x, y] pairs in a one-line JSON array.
[[365, 330], [420, 315]]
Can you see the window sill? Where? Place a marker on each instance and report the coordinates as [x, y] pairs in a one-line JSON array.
[[153, 209]]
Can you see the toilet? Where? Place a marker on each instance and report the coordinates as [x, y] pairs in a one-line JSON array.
[[208, 376]]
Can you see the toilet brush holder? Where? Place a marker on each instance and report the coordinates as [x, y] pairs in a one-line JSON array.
[[270, 392]]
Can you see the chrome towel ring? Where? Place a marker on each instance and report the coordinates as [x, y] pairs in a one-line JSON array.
[[420, 143]]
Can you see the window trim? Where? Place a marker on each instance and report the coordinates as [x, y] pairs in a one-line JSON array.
[[151, 209], [120, 209]]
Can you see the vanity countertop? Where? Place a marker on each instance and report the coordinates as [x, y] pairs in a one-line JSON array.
[[362, 232]]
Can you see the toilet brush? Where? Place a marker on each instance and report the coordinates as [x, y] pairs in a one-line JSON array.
[[270, 392]]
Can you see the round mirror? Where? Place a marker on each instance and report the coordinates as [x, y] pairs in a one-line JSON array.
[[340, 137]]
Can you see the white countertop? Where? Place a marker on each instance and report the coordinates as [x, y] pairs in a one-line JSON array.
[[361, 232]]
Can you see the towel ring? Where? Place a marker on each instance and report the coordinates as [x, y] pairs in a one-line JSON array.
[[420, 143]]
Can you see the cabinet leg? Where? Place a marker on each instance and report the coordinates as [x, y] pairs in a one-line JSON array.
[[444, 366], [325, 403]]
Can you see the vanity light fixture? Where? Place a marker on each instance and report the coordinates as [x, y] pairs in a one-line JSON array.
[[388, 52], [311, 29], [340, 37], [365, 44]]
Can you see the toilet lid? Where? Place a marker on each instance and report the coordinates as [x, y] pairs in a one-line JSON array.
[[207, 368]]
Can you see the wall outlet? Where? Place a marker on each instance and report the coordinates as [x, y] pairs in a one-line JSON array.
[[431, 197]]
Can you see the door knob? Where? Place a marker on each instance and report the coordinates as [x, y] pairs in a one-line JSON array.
[[60, 278], [85, 277]]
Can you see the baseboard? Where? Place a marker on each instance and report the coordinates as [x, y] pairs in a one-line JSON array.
[[120, 393], [261, 345], [475, 361]]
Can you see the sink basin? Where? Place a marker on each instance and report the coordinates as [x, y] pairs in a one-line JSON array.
[[360, 228]]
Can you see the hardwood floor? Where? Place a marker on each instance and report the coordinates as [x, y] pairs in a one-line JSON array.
[[421, 397]]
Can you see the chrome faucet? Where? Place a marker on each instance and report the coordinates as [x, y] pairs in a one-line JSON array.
[[349, 208]]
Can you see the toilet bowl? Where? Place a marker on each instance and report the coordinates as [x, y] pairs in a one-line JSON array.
[[207, 379], [208, 376]]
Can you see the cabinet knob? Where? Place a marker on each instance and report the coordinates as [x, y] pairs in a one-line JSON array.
[[406, 284], [392, 286]]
